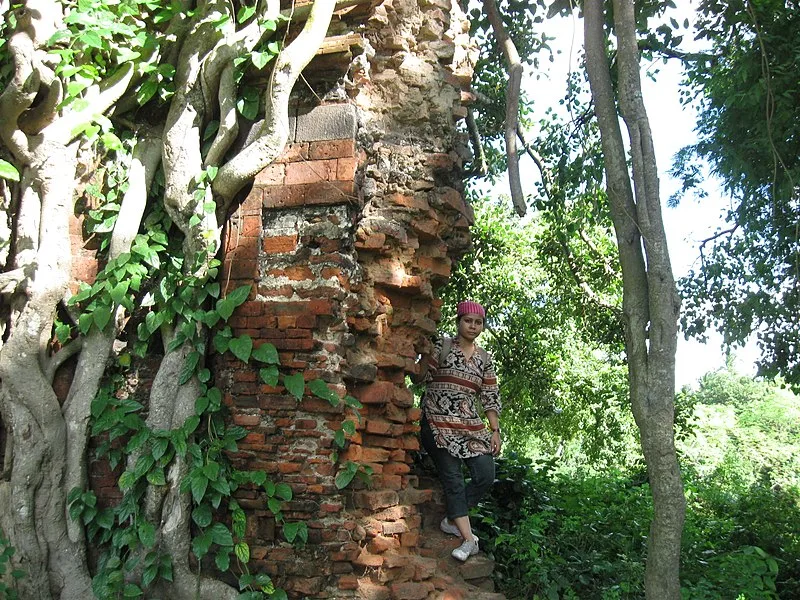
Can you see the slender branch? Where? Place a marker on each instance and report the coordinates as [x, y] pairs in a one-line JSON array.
[[100, 98], [60, 357], [609, 270], [228, 123], [717, 235], [477, 145], [514, 68], [547, 179]]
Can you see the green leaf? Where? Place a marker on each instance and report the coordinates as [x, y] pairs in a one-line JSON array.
[[241, 347], [283, 491], [153, 321], [239, 295], [8, 171], [160, 445], [346, 475], [295, 384], [101, 316], [223, 560], [157, 477], [201, 404], [290, 530], [199, 484], [132, 591], [85, 323], [62, 332], [261, 59], [147, 90], [149, 575], [269, 375], [245, 12], [274, 505], [352, 402], [202, 515], [214, 398], [211, 470], [189, 366], [147, 534], [266, 353], [320, 389], [221, 535], [225, 308], [348, 427], [201, 544], [242, 551]]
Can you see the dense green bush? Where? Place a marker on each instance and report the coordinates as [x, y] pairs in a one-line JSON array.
[[557, 536]]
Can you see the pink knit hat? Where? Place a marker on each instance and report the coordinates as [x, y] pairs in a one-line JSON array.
[[468, 307]]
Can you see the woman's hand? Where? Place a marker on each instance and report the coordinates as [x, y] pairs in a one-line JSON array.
[[497, 443]]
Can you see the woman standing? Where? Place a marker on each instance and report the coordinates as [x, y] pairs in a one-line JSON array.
[[452, 431]]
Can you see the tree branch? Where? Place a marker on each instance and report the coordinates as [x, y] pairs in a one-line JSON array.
[[60, 357], [514, 67], [274, 132], [477, 145]]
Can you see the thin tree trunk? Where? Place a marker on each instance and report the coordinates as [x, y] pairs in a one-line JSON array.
[[650, 299]]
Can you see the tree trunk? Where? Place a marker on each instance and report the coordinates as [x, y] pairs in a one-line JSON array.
[[35, 518], [650, 300]]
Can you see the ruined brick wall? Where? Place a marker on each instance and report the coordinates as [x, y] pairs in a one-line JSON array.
[[346, 238]]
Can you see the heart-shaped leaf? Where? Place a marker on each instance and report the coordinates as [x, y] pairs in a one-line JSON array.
[[241, 347]]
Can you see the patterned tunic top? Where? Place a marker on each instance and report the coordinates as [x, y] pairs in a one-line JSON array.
[[451, 399]]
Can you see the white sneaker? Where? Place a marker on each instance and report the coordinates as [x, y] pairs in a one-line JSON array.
[[449, 528], [465, 550]]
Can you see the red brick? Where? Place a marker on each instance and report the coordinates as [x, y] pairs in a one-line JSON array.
[[294, 152], [329, 192], [247, 226], [241, 269], [375, 499], [295, 273], [283, 196], [310, 172], [378, 426], [380, 544], [280, 244], [417, 201], [348, 582], [246, 420], [346, 169], [379, 392], [254, 200], [367, 559], [331, 149], [286, 467], [272, 174]]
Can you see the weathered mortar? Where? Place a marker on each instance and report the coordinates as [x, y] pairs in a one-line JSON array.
[[348, 236]]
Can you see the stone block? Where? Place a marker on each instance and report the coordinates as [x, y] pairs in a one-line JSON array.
[[411, 590], [326, 122], [374, 500]]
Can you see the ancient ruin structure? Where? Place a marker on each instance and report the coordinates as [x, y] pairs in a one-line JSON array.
[[345, 240]]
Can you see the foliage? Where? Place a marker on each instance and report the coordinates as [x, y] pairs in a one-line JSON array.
[[747, 90], [557, 387], [8, 575], [556, 535], [163, 296]]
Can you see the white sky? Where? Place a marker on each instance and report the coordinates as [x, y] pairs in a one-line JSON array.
[[672, 126]]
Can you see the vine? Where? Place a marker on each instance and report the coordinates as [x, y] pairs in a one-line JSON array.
[[165, 295]]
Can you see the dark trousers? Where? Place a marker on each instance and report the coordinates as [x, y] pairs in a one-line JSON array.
[[459, 497]]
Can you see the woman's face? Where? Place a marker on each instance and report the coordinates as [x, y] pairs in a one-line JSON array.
[[470, 327]]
